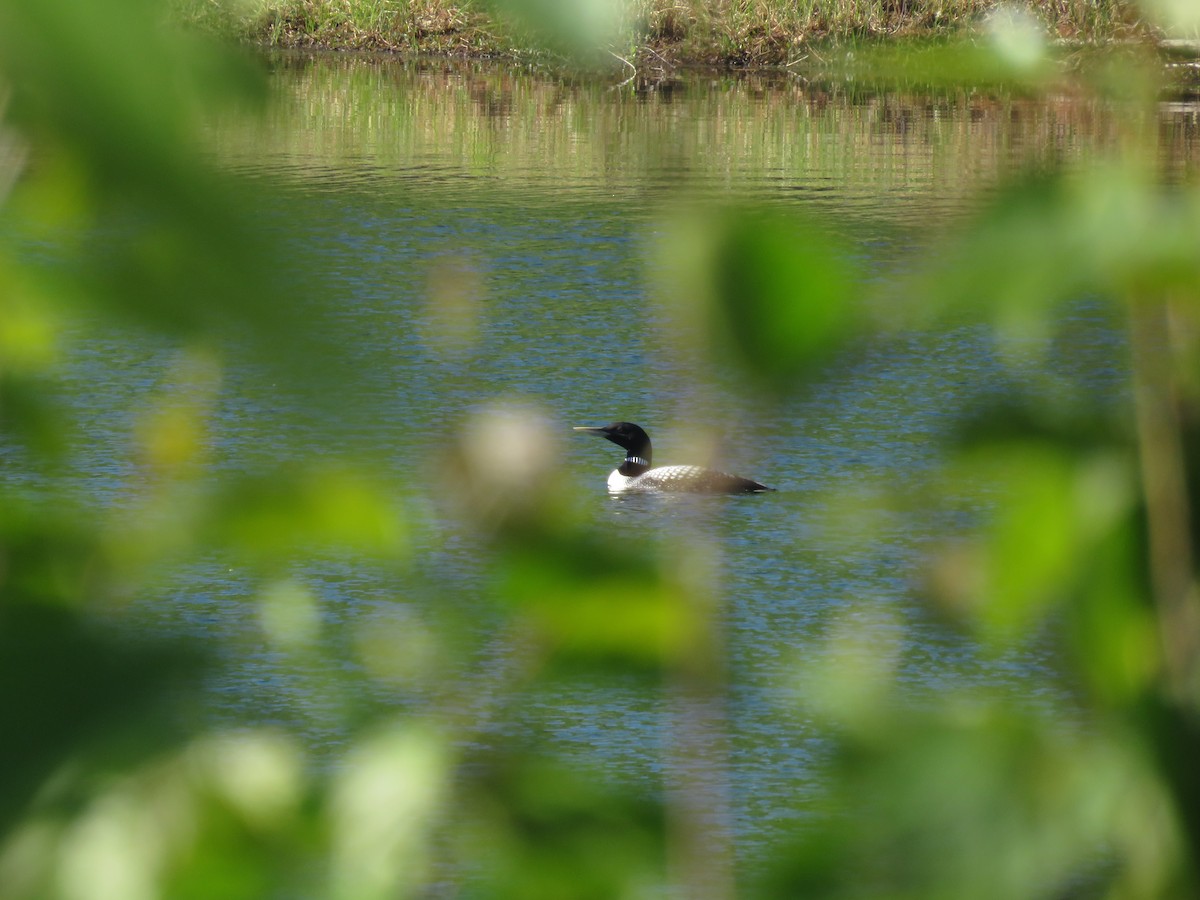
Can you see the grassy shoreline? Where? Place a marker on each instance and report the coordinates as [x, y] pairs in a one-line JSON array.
[[735, 33]]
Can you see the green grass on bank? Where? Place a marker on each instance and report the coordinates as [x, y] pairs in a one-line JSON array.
[[713, 32]]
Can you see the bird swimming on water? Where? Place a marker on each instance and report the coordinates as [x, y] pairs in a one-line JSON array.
[[635, 474]]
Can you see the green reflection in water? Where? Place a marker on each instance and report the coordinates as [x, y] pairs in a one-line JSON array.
[[891, 154]]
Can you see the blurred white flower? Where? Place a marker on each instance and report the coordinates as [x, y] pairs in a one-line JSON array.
[[1017, 35]]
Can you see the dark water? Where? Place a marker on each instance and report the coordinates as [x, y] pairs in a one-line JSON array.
[[529, 210]]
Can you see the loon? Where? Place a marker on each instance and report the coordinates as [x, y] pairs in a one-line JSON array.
[[635, 474]]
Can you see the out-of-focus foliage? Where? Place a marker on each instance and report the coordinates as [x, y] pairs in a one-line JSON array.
[[734, 282], [1091, 539], [110, 787]]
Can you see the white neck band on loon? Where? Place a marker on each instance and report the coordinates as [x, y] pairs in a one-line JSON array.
[[637, 461]]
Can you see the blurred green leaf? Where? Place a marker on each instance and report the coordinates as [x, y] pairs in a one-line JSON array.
[[1012, 51], [72, 691], [1054, 238], [49, 553], [383, 807], [983, 800], [538, 821], [1180, 18], [119, 197], [1032, 546], [277, 515], [1110, 625], [589, 602], [775, 295], [580, 28]]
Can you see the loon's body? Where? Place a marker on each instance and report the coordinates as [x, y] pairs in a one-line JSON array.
[[635, 474]]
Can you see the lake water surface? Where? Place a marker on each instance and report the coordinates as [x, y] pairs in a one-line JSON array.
[[528, 208]]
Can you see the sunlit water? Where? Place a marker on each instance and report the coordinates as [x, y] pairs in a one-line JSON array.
[[383, 177]]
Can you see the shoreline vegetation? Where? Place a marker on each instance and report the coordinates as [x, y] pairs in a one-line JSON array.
[[656, 33]]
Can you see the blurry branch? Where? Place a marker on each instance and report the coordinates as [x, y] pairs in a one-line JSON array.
[[632, 68], [12, 150], [1164, 478], [698, 775]]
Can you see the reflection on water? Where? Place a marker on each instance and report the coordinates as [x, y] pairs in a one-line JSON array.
[[525, 206], [493, 136]]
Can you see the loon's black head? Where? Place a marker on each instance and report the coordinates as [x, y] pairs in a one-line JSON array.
[[624, 434]]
